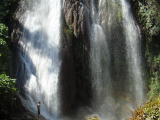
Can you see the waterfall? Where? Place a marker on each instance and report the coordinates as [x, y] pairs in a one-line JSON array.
[[133, 44], [115, 59], [100, 64], [38, 56]]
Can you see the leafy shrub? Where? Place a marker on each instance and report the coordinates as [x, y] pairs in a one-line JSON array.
[[150, 111], [5, 9], [70, 35], [154, 86], [7, 92], [5, 53], [149, 16], [7, 89], [63, 24]]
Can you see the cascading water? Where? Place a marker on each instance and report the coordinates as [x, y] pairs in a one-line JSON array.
[[39, 64], [100, 64], [115, 59], [133, 43]]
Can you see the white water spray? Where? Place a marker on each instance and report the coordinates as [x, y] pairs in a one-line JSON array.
[[39, 62]]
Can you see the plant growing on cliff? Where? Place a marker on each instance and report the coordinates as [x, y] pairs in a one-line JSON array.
[[5, 53], [111, 10], [150, 111], [5, 9], [118, 10], [63, 24], [7, 92], [149, 14], [7, 89], [70, 35], [154, 87]]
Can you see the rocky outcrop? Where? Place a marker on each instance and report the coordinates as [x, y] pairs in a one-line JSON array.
[[73, 13], [76, 15]]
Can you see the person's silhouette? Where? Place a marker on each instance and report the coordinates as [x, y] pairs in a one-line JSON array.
[[38, 110]]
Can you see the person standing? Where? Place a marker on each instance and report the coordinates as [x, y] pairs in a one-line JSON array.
[[38, 109]]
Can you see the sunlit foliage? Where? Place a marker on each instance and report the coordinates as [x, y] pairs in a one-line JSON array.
[[150, 111], [5, 53]]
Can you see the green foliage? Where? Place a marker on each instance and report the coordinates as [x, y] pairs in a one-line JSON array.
[[116, 9], [3, 33], [149, 16], [70, 35], [154, 86], [5, 53], [6, 85], [150, 111], [152, 55], [5, 9], [7, 89], [7, 92], [148, 13], [63, 24]]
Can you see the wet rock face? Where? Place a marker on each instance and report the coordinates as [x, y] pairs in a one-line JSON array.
[[73, 12], [76, 15], [67, 78]]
